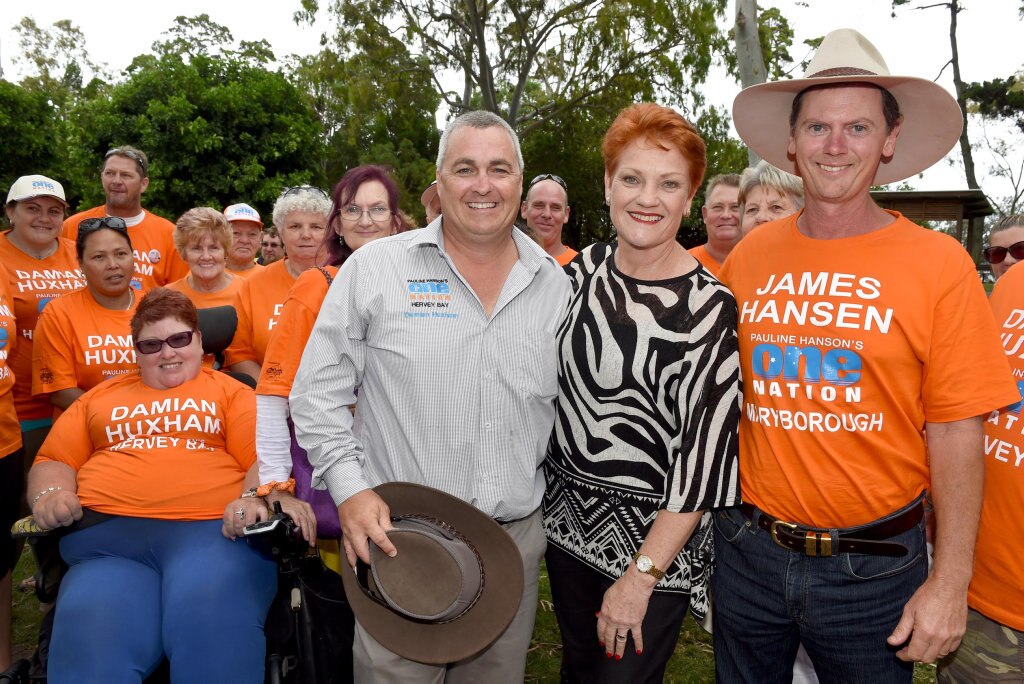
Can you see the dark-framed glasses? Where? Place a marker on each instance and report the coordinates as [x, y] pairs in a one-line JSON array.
[[131, 154], [296, 189], [353, 213], [152, 345], [995, 255], [113, 222], [550, 176]]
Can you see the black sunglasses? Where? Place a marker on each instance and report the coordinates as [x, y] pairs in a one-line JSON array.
[[134, 156], [176, 341], [113, 222], [304, 188], [995, 255], [550, 176]]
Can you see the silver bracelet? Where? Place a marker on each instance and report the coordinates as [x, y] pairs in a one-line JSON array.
[[43, 493]]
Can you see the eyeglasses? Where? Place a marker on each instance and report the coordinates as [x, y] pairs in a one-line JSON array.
[[295, 190], [176, 341], [550, 176], [113, 222], [995, 255], [352, 213], [131, 154]]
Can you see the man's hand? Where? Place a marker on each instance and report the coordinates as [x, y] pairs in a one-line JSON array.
[[365, 516], [934, 620]]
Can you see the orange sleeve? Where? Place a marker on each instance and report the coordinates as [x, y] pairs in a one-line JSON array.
[[241, 347], [10, 433], [240, 423], [177, 267], [69, 441], [965, 350], [53, 352], [289, 337]]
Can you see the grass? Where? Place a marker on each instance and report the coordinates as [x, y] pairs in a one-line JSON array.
[[692, 663]]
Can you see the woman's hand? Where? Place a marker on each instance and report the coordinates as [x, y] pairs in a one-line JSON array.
[[622, 611], [242, 512], [300, 511], [57, 508]]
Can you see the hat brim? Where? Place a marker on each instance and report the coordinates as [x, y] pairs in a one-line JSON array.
[[429, 194], [932, 121], [484, 622], [26, 198]]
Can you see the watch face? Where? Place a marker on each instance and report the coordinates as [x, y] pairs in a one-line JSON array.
[[643, 564]]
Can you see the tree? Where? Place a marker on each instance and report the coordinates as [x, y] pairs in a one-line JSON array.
[[28, 126], [56, 60], [217, 124], [999, 98], [974, 230], [565, 52], [377, 104]]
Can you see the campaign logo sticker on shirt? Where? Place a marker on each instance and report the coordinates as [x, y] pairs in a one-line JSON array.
[[45, 376], [429, 298], [154, 256]]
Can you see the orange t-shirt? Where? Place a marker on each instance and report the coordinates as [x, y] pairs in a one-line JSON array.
[[997, 588], [256, 268], [157, 261], [34, 282], [207, 300], [847, 348], [175, 454], [701, 254], [79, 343], [258, 305], [289, 338], [10, 431], [565, 257]]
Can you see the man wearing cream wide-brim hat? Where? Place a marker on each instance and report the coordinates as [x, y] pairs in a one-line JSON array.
[[869, 359]]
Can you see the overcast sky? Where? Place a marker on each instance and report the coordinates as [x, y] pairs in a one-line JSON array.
[[915, 43]]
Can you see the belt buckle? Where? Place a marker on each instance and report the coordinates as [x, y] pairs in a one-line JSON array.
[[775, 531]]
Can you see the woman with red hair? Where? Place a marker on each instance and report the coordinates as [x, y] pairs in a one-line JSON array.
[[648, 408]]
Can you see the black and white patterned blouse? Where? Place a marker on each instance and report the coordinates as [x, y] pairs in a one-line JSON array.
[[648, 410]]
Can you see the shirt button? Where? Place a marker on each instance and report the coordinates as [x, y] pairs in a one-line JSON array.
[[487, 425]]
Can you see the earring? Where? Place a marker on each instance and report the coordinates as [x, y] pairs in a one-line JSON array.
[[341, 239]]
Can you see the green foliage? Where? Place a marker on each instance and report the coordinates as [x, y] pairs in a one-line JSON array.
[[29, 128], [377, 104], [776, 38], [218, 128], [999, 98]]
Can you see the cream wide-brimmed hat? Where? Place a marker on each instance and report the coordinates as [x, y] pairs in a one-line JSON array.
[[932, 119]]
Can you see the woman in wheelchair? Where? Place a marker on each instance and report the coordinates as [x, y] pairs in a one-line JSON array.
[[166, 455]]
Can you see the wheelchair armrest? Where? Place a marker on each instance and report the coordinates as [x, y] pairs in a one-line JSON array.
[[27, 528]]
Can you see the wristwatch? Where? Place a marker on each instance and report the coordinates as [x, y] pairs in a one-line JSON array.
[[645, 565]]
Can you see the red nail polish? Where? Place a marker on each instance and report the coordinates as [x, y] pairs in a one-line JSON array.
[[618, 656], [601, 643], [597, 613], [609, 655], [639, 652]]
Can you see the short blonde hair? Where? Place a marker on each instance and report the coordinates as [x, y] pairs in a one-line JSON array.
[[771, 177], [197, 223]]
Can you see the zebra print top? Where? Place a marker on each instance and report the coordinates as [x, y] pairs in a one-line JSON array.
[[647, 416]]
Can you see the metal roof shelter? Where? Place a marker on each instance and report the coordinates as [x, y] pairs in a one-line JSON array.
[[967, 208]]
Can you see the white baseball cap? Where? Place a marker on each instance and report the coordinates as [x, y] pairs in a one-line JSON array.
[[27, 187], [242, 212]]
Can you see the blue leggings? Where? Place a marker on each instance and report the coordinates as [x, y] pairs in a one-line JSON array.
[[139, 589]]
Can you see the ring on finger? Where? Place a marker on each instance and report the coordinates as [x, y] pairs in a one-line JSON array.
[[620, 637]]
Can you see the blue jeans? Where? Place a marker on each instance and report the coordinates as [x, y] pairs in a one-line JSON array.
[[138, 589], [768, 600]]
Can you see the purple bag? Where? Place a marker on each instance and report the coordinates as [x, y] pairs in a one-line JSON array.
[[328, 526]]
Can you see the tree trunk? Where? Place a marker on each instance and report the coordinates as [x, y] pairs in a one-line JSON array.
[[748, 52], [975, 228]]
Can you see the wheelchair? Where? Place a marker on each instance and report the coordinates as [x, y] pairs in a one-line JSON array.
[[309, 626]]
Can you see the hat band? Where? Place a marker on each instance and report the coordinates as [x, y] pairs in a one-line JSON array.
[[841, 71], [447, 541]]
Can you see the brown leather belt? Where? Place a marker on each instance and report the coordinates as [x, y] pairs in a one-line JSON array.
[[869, 539]]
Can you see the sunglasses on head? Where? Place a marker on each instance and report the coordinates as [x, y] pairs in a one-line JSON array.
[[550, 176], [152, 345], [113, 222], [995, 255], [134, 156], [304, 188]]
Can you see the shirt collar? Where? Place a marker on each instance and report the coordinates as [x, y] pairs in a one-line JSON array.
[[531, 255]]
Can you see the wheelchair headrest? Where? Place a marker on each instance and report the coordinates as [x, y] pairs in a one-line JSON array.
[[217, 326]]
